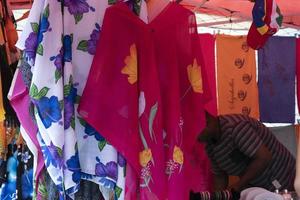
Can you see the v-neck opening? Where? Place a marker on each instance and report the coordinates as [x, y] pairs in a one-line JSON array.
[[160, 15]]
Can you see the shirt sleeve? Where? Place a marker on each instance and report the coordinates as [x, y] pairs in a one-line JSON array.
[[246, 139]]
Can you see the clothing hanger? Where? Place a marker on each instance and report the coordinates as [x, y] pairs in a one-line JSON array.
[[5, 5], [24, 16]]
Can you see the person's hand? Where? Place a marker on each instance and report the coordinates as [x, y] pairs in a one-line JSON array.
[[235, 187]]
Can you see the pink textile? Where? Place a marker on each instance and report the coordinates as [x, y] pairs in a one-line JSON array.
[[20, 101], [122, 74], [145, 92], [131, 183], [178, 53], [207, 43]]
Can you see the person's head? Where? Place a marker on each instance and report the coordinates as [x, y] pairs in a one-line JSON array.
[[211, 132]]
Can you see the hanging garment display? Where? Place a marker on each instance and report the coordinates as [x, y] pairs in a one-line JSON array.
[[8, 58], [157, 66], [276, 75], [267, 20], [122, 107], [15, 159], [20, 101], [59, 55], [182, 83], [236, 74]]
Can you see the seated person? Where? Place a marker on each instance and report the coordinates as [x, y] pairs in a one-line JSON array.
[[238, 145]]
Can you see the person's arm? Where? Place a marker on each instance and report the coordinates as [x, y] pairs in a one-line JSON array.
[[220, 181], [260, 161], [248, 141], [220, 178]]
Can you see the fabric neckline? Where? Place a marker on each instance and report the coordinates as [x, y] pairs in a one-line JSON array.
[[123, 6]]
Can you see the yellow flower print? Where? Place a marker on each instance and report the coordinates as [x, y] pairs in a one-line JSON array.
[[145, 157], [130, 68], [178, 155], [195, 77]]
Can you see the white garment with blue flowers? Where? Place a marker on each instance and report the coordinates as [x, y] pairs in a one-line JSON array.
[[59, 42]]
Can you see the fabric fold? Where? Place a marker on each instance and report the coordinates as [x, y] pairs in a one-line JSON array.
[[20, 101], [207, 43]]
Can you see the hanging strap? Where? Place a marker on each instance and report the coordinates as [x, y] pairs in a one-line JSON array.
[[5, 9], [24, 16]]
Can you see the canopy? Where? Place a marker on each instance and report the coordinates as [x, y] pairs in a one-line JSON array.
[[242, 9], [239, 10]]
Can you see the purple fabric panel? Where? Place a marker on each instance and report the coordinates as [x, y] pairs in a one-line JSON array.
[[276, 80]]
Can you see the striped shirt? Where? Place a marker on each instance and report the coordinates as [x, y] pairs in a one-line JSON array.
[[241, 137]]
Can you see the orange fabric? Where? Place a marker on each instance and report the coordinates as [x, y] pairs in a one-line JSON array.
[[1, 38], [2, 41], [2, 112], [297, 132], [12, 35], [236, 77], [3, 144]]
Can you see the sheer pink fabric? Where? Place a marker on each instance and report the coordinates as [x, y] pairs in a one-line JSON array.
[[145, 95], [122, 74], [20, 101], [207, 43]]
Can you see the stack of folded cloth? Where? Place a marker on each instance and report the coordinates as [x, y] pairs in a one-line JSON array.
[[256, 193]]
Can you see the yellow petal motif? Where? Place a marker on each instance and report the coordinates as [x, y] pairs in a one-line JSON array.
[[195, 77], [145, 157], [130, 68], [178, 155]]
